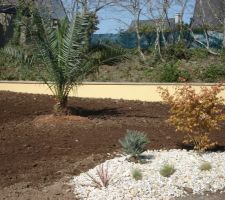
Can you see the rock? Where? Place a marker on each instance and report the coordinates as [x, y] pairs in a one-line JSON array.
[[188, 190]]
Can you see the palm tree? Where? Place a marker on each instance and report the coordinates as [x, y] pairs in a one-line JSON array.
[[63, 53]]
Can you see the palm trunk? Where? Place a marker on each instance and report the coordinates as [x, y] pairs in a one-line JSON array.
[[60, 107]]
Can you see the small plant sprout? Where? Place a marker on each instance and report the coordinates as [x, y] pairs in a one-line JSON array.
[[134, 143], [102, 176], [167, 170], [137, 174], [205, 166]]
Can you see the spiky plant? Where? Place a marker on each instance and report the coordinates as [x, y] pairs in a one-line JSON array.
[[205, 166], [102, 177], [63, 53], [137, 174], [134, 143], [167, 170]]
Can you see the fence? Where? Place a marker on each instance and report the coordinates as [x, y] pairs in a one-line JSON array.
[[129, 40]]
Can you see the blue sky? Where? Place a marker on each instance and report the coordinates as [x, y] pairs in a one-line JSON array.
[[113, 19]]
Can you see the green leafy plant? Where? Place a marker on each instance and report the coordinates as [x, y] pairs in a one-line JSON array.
[[171, 73], [134, 143], [167, 170], [205, 166], [63, 53], [198, 53], [213, 73], [137, 174], [177, 51], [61, 50]]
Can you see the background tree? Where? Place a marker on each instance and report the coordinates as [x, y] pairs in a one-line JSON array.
[[135, 8]]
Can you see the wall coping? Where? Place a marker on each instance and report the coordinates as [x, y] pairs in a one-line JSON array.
[[114, 83]]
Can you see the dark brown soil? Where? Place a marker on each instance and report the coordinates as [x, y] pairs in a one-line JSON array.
[[38, 150]]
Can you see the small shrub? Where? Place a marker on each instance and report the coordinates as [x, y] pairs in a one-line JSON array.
[[200, 142], [171, 73], [136, 174], [167, 170], [134, 143], [177, 51], [198, 53], [102, 176], [205, 166], [196, 114], [212, 73]]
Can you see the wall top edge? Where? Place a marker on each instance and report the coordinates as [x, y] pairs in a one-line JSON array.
[[113, 83]]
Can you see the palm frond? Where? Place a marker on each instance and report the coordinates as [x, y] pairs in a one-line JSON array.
[[109, 54], [21, 55]]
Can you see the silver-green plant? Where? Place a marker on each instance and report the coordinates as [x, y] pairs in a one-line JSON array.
[[205, 166], [167, 170], [134, 143], [137, 174]]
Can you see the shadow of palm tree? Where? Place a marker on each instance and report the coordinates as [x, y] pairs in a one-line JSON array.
[[99, 113]]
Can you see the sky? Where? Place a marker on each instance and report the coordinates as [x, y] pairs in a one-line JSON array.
[[114, 19]]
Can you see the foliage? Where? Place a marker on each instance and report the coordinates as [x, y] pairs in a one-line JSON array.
[[134, 143], [12, 69], [212, 73], [171, 73], [136, 174], [63, 53], [205, 166], [62, 50], [102, 178], [176, 51], [146, 28], [108, 53], [195, 113], [167, 170], [200, 142], [198, 53]]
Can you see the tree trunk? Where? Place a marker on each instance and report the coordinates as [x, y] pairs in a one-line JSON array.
[[224, 33], [138, 36], [139, 44], [60, 108]]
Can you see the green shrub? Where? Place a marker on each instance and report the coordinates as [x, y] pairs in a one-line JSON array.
[[171, 73], [176, 51], [167, 170], [136, 174], [134, 143], [205, 166], [213, 73], [198, 53]]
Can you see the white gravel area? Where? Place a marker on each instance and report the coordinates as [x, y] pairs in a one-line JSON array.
[[187, 177]]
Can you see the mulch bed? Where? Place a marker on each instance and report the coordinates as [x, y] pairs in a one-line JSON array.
[[39, 148]]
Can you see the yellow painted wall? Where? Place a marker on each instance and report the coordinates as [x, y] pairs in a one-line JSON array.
[[128, 91]]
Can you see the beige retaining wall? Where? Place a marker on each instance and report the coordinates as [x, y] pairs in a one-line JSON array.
[[128, 91]]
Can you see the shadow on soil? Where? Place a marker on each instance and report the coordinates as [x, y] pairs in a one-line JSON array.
[[102, 113], [217, 148], [94, 112]]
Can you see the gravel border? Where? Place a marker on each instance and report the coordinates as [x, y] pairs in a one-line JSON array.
[[187, 179]]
